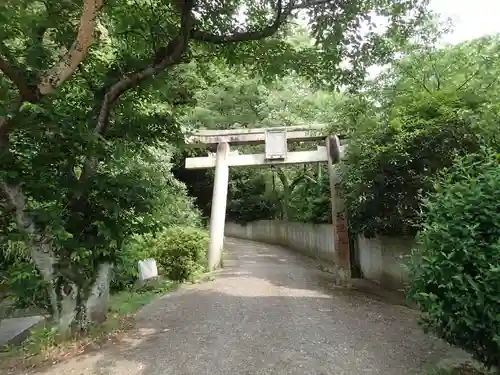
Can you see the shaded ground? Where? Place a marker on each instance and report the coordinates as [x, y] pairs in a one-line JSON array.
[[268, 312]]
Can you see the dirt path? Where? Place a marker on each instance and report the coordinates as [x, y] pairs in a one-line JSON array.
[[268, 312]]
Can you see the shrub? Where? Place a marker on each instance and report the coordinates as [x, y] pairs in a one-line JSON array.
[[455, 274], [126, 271], [20, 278], [171, 205], [25, 286], [181, 251]]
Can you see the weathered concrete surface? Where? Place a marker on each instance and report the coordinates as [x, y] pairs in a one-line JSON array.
[[13, 331], [268, 312]]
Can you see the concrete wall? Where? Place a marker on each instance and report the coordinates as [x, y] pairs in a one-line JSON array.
[[380, 259], [312, 239]]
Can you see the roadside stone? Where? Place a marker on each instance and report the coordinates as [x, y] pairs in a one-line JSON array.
[[14, 331]]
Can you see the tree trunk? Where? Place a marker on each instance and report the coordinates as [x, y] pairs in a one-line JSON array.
[[77, 307], [41, 249], [82, 307], [94, 308], [44, 259], [73, 306], [286, 195]]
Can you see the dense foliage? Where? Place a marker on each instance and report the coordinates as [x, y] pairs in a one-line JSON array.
[[428, 108], [95, 99], [391, 166], [172, 207], [455, 274], [25, 286], [126, 270], [181, 252]]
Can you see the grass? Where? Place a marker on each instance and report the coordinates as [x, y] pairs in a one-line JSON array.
[[44, 346]]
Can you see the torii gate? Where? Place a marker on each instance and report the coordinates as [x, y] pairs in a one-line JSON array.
[[276, 153]]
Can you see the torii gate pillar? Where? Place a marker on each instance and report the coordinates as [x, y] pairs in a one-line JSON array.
[[339, 221], [219, 202]]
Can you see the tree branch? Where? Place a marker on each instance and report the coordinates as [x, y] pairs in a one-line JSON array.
[[281, 15], [77, 52], [437, 75], [15, 74], [174, 52], [58, 74], [467, 80], [491, 83], [311, 4], [412, 76], [176, 49]]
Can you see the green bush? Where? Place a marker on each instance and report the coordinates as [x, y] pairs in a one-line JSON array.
[[181, 251], [20, 278], [172, 206], [25, 286], [455, 274], [126, 269]]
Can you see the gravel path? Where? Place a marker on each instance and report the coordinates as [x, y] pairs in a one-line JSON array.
[[268, 312]]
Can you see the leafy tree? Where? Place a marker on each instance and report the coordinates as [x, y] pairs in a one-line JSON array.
[[250, 197], [311, 200], [79, 101], [427, 110], [234, 98]]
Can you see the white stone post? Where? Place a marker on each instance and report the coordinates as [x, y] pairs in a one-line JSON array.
[[219, 201]]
